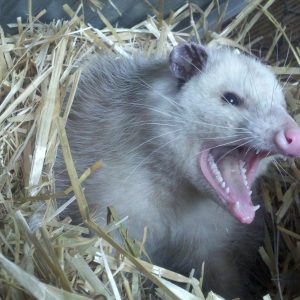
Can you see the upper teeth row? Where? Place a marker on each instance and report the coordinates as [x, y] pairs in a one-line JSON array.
[[217, 173]]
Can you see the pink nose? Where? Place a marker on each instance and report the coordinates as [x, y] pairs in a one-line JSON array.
[[288, 141]]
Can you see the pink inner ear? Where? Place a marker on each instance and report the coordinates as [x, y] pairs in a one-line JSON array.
[[288, 140]]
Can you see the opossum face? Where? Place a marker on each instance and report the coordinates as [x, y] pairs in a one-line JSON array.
[[236, 116]]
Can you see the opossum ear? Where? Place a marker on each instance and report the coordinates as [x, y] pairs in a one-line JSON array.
[[186, 60]]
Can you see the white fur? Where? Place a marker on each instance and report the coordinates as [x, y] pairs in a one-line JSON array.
[[131, 114]]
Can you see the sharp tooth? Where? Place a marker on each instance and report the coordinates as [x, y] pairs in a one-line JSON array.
[[227, 190], [257, 152], [245, 180], [211, 160], [223, 184], [256, 207], [243, 169], [243, 173], [215, 169], [250, 193], [219, 178]]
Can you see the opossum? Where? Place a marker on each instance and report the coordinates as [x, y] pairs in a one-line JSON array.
[[182, 140]]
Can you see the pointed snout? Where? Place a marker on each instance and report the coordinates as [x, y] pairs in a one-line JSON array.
[[288, 141]]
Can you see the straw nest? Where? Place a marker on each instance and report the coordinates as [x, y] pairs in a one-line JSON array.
[[38, 72]]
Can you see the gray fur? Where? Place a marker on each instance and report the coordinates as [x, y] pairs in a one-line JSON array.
[[131, 114]]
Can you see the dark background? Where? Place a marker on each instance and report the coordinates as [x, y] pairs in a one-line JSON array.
[[132, 11]]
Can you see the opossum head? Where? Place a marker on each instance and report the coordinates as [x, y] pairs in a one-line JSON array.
[[235, 116]]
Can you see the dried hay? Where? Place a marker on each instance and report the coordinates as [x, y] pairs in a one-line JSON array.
[[38, 70]]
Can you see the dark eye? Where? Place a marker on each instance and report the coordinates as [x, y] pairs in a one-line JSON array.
[[232, 98]]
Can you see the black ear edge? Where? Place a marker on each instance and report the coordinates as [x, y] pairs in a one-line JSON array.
[[186, 60]]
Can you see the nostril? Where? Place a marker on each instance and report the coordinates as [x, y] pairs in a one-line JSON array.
[[291, 135], [289, 140]]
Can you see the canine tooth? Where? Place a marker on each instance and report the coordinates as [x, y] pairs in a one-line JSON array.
[[250, 193], [256, 207], [257, 152], [227, 190]]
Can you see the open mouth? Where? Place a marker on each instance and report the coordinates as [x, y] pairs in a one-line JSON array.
[[231, 171]]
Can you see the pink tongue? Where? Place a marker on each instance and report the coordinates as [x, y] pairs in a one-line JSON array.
[[239, 202]]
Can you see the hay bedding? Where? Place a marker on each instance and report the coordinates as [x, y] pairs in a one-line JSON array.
[[57, 260]]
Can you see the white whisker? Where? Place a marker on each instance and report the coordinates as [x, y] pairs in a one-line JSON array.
[[148, 156], [153, 138]]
